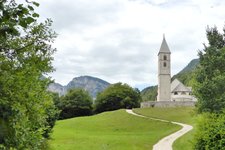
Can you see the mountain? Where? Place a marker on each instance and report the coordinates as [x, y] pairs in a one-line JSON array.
[[191, 66], [91, 84], [149, 93], [57, 88], [185, 76]]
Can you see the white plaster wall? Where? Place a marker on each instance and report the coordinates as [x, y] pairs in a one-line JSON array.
[[164, 89]]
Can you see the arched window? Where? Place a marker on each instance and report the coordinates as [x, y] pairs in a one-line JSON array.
[[164, 57], [164, 64]]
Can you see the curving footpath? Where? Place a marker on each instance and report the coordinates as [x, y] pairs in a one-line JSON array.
[[166, 142]]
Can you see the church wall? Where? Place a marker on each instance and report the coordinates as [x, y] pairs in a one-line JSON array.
[[183, 98], [168, 104], [164, 94]]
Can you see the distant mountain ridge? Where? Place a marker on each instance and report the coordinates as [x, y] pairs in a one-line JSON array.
[[91, 84], [191, 66], [186, 74], [57, 88]]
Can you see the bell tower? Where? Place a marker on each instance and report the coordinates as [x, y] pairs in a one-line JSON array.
[[164, 77]]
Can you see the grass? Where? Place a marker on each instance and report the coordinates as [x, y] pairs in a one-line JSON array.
[[178, 114], [109, 131]]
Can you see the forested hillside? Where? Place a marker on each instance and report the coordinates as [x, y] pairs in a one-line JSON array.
[[149, 93], [186, 75]]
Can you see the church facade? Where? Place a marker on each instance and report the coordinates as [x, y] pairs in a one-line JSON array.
[[167, 91]]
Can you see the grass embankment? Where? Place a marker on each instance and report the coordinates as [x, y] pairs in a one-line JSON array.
[[109, 131], [179, 114]]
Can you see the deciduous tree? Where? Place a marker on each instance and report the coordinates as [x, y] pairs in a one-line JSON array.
[[25, 55], [117, 96], [76, 102]]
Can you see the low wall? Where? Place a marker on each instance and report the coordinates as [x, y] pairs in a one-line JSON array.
[[167, 104]]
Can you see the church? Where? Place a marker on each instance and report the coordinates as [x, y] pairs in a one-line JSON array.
[[167, 91]]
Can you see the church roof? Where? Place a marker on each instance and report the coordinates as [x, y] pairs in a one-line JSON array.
[[177, 86], [164, 46]]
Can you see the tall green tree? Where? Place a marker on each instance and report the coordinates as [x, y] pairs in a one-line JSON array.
[[77, 102], [117, 96], [25, 55], [210, 92], [210, 75]]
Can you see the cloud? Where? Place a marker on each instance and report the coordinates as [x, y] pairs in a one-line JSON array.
[[118, 40], [79, 14]]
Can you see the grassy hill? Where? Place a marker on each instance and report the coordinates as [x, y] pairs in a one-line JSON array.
[[109, 131]]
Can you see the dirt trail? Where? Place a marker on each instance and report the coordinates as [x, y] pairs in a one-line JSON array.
[[166, 142]]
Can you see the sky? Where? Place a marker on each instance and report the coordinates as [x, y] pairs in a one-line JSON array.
[[119, 40]]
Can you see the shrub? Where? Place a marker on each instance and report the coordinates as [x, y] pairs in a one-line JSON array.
[[210, 133]]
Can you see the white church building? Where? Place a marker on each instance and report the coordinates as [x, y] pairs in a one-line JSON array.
[[179, 92], [167, 91]]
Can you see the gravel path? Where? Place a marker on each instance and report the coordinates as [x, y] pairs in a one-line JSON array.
[[166, 142]]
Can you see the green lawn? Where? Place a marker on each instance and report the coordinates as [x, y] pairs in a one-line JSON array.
[[116, 130], [179, 114]]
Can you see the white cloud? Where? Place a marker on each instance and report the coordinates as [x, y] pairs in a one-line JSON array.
[[118, 40]]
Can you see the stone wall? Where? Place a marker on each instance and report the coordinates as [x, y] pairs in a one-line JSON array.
[[167, 104]]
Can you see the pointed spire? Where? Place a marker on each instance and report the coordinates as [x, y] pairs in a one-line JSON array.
[[164, 46]]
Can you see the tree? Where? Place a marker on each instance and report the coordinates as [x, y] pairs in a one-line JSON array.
[[56, 98], [76, 102], [209, 90], [117, 96], [25, 55], [210, 75]]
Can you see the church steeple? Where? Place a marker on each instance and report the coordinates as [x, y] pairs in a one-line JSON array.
[[164, 46], [164, 77]]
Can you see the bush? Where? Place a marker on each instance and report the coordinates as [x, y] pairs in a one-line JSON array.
[[75, 103], [210, 133], [117, 96]]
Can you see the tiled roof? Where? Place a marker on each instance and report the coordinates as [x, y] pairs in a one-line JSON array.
[[177, 86]]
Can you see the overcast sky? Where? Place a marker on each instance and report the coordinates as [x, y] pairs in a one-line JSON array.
[[118, 40]]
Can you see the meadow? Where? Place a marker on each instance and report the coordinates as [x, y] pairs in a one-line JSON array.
[[113, 130]]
